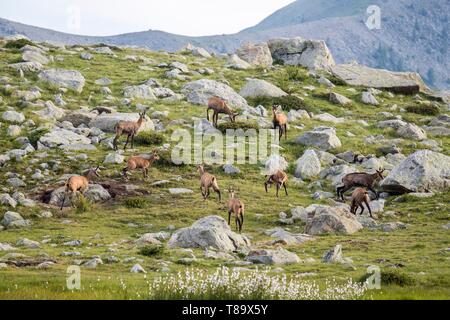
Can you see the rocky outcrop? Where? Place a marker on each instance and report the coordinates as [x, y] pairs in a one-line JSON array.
[[62, 137], [359, 75], [313, 54], [422, 171], [70, 79], [212, 231]]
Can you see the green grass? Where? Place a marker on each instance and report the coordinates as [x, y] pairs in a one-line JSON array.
[[107, 229]]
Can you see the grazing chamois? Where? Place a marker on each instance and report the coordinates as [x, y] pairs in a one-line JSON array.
[[219, 105], [208, 181], [79, 183], [134, 163], [360, 196], [236, 207], [357, 179], [279, 178], [279, 121], [130, 128]]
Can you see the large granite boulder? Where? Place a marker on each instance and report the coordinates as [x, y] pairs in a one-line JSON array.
[[94, 193], [142, 91], [308, 165], [234, 62], [70, 79], [278, 256], [332, 220], [107, 122], [324, 138], [59, 137], [199, 92], [422, 171], [256, 54], [260, 88], [313, 54], [212, 231], [359, 75]]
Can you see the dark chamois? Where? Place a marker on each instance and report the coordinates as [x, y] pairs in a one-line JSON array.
[[357, 179], [359, 197], [219, 105]]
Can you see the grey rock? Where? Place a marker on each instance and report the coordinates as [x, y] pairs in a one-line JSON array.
[[70, 79]]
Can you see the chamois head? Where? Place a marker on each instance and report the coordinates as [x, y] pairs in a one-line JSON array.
[[200, 169], [231, 192], [92, 173], [142, 115], [379, 174], [233, 116], [276, 107], [155, 154]]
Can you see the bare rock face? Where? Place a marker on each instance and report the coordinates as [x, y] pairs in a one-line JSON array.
[[359, 75], [212, 231], [313, 54], [422, 171], [256, 54], [332, 220]]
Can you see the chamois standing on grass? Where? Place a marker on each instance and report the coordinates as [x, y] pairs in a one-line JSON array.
[[208, 181], [279, 178], [130, 128], [360, 196], [357, 179], [279, 121], [236, 207], [79, 183], [134, 163], [219, 105]]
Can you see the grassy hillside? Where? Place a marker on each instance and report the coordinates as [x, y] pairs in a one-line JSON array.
[[414, 261]]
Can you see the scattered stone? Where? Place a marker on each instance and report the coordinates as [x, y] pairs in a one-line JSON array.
[[324, 138], [64, 78], [279, 256], [260, 88]]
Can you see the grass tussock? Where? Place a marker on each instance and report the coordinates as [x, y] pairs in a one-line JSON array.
[[152, 250], [426, 110]]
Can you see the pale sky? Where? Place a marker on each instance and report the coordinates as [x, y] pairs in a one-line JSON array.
[[109, 17]]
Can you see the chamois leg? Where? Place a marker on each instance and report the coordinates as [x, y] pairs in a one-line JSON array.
[[229, 217], [265, 186], [278, 189], [342, 190], [132, 141], [376, 193], [285, 132], [368, 207], [116, 139], [64, 199], [216, 119], [285, 188], [362, 209], [124, 173], [126, 144], [146, 172], [242, 219], [207, 114]]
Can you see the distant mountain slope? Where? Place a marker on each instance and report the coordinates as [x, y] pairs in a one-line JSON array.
[[414, 34]]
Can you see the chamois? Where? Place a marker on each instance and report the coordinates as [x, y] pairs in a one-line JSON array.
[[357, 179], [359, 197], [79, 183], [279, 178], [134, 163], [279, 121], [236, 207], [219, 105], [208, 181], [130, 128]]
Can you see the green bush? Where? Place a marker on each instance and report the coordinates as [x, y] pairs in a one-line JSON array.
[[17, 44], [136, 203], [35, 135], [151, 250], [426, 110], [223, 127], [289, 102], [82, 204], [149, 138], [393, 277], [295, 73]]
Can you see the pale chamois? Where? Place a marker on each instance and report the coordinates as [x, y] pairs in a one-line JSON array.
[[130, 128], [236, 207], [79, 183], [219, 105], [279, 121], [360, 196], [364, 180], [208, 181], [134, 163], [279, 178]]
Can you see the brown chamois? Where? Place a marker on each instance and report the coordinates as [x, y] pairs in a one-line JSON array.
[[130, 128], [208, 181], [134, 163], [279, 121], [279, 178], [236, 207], [360, 196], [219, 105], [79, 183], [364, 180]]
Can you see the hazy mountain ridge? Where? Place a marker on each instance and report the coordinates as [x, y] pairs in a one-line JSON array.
[[412, 37]]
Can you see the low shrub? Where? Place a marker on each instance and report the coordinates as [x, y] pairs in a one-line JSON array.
[[223, 127], [17, 44], [289, 102], [393, 277], [35, 135], [136, 203], [427, 110], [151, 250], [81, 204], [149, 138]]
